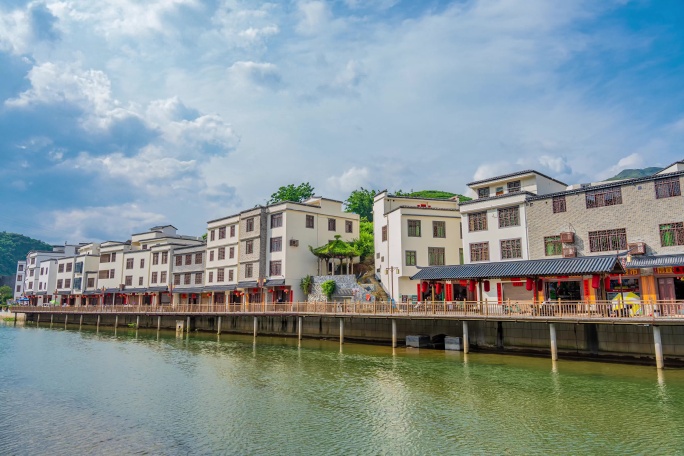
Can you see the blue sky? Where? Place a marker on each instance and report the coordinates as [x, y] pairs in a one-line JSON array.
[[119, 115]]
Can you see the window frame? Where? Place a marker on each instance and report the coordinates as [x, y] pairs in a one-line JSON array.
[[603, 197], [436, 231], [410, 257], [479, 249], [553, 245], [477, 221], [413, 228], [508, 216], [605, 240], [436, 256], [511, 247]]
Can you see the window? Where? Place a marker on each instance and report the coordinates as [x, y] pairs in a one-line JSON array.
[[604, 197], [79, 267], [509, 216], [553, 245], [198, 278], [499, 191], [68, 267], [414, 228], [128, 281], [140, 281], [479, 251], [60, 268], [460, 256], [186, 278], [59, 283], [483, 192], [249, 247], [309, 221], [162, 277], [221, 253], [231, 252], [511, 248], [665, 188], [559, 204], [249, 224], [142, 263], [77, 283], [276, 244], [211, 255], [212, 235], [232, 230], [91, 282], [179, 260], [155, 275], [165, 257], [249, 270], [410, 258], [129, 263], [672, 234], [513, 187], [436, 256], [155, 258], [21, 267], [439, 229], [222, 232], [220, 275], [607, 240], [103, 274], [188, 259], [348, 226], [384, 233], [477, 221], [111, 273], [211, 277], [332, 224], [104, 258], [33, 261], [114, 256], [230, 275], [67, 283], [18, 290], [276, 220], [198, 258], [176, 279], [30, 285], [145, 247], [220, 298], [276, 268]]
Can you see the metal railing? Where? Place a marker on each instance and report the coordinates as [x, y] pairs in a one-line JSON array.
[[518, 310]]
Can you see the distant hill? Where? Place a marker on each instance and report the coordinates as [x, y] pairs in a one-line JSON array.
[[633, 173], [14, 247], [436, 194]]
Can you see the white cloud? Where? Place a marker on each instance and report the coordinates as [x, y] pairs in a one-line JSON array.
[[257, 73], [314, 15], [632, 161], [351, 179], [487, 170], [558, 165]]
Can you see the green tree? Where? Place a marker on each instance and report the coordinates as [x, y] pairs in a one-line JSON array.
[[328, 287], [365, 244], [5, 295], [361, 202], [14, 247], [294, 193]]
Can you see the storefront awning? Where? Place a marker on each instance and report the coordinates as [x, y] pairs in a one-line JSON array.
[[274, 282], [220, 288], [189, 290], [63, 293], [134, 290], [658, 261], [158, 289], [247, 284], [524, 268]]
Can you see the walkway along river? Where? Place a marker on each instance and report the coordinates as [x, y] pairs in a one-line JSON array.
[[650, 332]]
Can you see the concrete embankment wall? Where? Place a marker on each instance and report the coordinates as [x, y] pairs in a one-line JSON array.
[[577, 339]]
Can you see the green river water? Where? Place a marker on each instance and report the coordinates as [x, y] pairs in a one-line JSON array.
[[86, 392]]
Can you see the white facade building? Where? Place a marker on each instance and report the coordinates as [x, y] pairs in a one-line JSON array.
[[19, 281]]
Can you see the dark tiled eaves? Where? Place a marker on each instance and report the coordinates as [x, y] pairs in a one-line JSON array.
[[658, 261], [493, 198], [444, 209]]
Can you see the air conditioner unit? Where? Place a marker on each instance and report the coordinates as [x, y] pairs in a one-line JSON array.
[[569, 252], [637, 248], [567, 237], [294, 243]]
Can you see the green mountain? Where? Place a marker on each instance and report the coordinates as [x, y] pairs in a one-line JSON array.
[[436, 194], [14, 247], [632, 173]]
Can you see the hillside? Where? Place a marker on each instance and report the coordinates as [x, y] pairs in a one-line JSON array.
[[437, 194], [632, 173], [14, 247]]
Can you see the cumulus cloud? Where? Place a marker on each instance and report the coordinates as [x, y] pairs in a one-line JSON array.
[[632, 161], [257, 73], [558, 165], [314, 15], [351, 179]]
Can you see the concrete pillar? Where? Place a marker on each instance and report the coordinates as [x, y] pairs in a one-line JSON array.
[[137, 322], [218, 331], [37, 318], [116, 321], [341, 331], [658, 347], [394, 333], [158, 323], [187, 330], [256, 326], [466, 340], [52, 318], [80, 321], [66, 320], [98, 321], [299, 327], [554, 347]]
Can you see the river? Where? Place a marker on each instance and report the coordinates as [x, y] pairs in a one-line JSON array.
[[86, 392]]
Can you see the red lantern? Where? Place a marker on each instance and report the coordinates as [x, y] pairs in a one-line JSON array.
[[463, 283], [595, 281], [418, 293], [606, 283], [486, 285], [529, 284], [471, 285], [438, 288], [424, 286], [540, 285]]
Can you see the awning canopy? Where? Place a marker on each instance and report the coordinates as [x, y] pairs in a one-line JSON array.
[[219, 288], [658, 261], [188, 290], [274, 282], [63, 293], [247, 284], [524, 268], [157, 289], [134, 290]]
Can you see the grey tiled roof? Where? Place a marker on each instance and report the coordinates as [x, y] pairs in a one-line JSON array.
[[525, 268], [657, 261], [517, 173]]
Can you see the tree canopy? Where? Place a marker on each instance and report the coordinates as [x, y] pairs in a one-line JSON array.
[[436, 194], [361, 202], [337, 248], [365, 243], [294, 193], [14, 247]]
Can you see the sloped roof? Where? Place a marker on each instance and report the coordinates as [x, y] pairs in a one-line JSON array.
[[525, 268], [657, 261]]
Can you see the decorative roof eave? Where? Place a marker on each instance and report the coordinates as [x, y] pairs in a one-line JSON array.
[[657, 261], [524, 268]]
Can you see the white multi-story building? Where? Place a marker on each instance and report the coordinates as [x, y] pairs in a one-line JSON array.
[[34, 281], [221, 262], [411, 232], [19, 281], [188, 276]]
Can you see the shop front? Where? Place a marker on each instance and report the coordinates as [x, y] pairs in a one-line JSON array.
[[670, 283]]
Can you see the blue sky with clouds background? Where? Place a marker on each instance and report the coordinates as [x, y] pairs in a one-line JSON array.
[[118, 115]]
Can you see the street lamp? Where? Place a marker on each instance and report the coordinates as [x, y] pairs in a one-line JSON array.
[[391, 270]]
